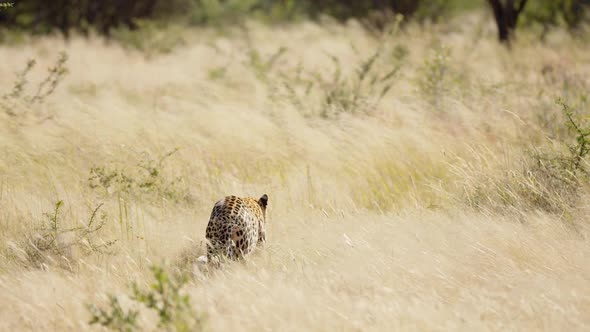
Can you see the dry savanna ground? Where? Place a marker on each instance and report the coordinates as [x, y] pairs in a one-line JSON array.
[[417, 180]]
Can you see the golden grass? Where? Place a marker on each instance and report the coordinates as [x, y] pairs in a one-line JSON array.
[[403, 217]]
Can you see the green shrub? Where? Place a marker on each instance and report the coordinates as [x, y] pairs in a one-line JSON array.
[[576, 160], [41, 17], [163, 296], [114, 317], [150, 37], [219, 12], [435, 10], [174, 309], [547, 13], [107, 17]]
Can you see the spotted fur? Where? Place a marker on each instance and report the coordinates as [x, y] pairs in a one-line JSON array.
[[236, 227]]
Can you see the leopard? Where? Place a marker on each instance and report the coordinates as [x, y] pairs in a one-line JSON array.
[[235, 228]]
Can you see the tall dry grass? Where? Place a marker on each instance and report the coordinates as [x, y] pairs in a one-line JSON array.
[[416, 205]]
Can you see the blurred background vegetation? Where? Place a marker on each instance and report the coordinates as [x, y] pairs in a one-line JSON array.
[[106, 17]]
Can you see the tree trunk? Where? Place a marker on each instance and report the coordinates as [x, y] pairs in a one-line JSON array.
[[506, 15]]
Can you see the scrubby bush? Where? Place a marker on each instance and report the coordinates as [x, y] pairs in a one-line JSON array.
[[548, 179], [16, 101], [148, 179], [435, 76], [50, 243], [356, 92], [360, 92]]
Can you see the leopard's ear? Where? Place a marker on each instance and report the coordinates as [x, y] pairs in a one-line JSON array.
[[263, 201]]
